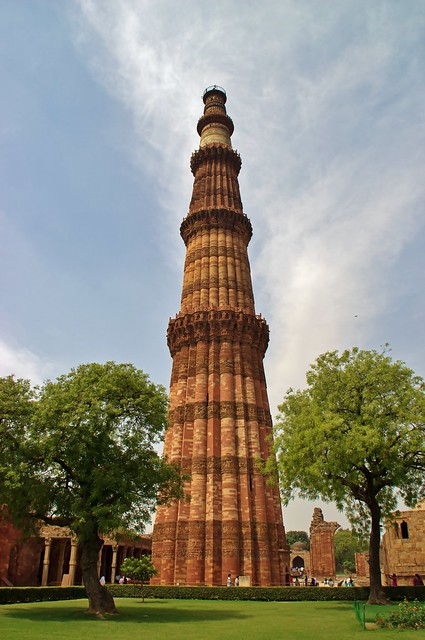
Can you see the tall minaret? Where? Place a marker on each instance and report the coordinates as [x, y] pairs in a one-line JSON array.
[[219, 419]]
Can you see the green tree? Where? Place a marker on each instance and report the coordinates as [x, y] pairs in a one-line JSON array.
[[16, 407], [355, 436], [139, 570], [79, 452], [297, 536], [346, 546]]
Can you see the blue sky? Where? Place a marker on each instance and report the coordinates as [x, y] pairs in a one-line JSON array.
[[98, 115]]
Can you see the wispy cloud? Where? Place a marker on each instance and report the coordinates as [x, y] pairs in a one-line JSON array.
[[21, 363], [327, 101], [326, 105]]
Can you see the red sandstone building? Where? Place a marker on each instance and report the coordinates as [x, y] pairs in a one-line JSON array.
[[220, 420], [53, 556]]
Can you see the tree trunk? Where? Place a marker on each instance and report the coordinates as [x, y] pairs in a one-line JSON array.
[[100, 600], [376, 595]]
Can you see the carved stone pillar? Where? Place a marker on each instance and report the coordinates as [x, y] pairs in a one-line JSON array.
[[46, 561], [73, 561], [99, 561], [114, 563]]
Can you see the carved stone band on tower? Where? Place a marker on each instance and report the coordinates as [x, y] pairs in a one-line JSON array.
[[219, 420]]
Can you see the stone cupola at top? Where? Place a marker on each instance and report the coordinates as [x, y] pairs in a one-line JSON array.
[[215, 125]]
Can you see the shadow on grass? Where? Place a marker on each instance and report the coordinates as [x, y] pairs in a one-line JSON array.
[[323, 605], [335, 605], [145, 613]]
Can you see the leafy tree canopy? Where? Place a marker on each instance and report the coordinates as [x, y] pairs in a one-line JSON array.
[[346, 545], [79, 452], [298, 536], [139, 570], [355, 436]]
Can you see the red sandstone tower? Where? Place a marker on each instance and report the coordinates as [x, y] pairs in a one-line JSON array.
[[219, 413]]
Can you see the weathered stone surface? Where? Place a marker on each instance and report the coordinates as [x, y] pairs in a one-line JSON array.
[[322, 547], [53, 557], [19, 558], [403, 546], [220, 421]]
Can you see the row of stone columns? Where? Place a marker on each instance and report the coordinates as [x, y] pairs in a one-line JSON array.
[[73, 560]]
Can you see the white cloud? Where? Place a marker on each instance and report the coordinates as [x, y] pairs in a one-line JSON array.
[[327, 106], [327, 101], [327, 270], [22, 363]]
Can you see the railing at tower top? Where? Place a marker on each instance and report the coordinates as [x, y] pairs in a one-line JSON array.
[[214, 87]]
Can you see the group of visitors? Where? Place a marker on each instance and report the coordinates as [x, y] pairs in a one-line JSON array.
[[328, 582], [313, 582], [120, 579], [417, 580], [347, 582], [304, 580]]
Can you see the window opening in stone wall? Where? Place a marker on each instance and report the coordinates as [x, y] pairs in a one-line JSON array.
[[404, 530]]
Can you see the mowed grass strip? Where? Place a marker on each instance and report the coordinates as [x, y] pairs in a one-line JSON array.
[[183, 619]]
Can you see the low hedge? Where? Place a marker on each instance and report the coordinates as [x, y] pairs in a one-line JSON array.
[[270, 594], [261, 594], [13, 595]]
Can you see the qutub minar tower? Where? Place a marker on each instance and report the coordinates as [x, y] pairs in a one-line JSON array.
[[219, 418]]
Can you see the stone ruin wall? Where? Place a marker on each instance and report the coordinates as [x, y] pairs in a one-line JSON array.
[[403, 547], [322, 547], [19, 559]]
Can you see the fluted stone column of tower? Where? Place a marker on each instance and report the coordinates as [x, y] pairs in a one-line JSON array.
[[219, 413]]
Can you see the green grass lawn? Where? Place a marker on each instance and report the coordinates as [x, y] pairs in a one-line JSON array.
[[189, 620], [372, 610]]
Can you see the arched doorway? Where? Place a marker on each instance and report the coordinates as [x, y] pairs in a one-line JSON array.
[[298, 562]]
